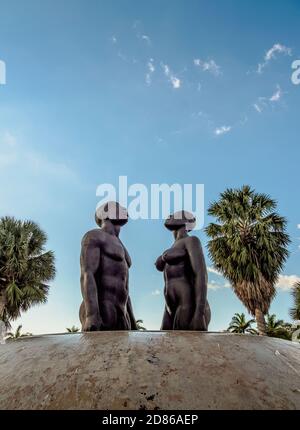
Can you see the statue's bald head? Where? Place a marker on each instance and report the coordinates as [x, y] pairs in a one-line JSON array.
[[180, 219], [113, 212]]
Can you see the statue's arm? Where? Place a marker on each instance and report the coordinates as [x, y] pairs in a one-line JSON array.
[[198, 266], [90, 257], [171, 256], [129, 304], [127, 256], [160, 264]]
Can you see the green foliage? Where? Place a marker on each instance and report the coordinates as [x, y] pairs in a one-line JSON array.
[[295, 310], [140, 326], [278, 328], [73, 329], [240, 325], [25, 267], [248, 245], [17, 334]]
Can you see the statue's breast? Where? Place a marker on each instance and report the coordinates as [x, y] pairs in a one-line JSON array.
[[114, 250], [175, 255]]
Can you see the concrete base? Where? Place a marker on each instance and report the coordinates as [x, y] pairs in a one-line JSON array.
[[149, 370]]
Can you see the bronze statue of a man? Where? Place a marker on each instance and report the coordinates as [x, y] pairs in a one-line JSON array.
[[104, 264], [185, 277]]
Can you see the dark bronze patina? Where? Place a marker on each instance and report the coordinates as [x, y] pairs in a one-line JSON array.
[[185, 277], [104, 274]]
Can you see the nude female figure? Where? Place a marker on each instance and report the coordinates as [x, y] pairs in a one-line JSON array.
[[185, 277], [104, 264]]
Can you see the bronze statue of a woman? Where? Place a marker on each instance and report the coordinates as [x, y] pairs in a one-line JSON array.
[[185, 276]]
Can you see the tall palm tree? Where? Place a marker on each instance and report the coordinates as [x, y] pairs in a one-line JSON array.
[[17, 334], [295, 310], [73, 329], [140, 326], [249, 247], [25, 267], [240, 325], [278, 328]]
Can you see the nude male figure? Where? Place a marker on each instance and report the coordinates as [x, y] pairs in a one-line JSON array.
[[185, 277], [104, 264]]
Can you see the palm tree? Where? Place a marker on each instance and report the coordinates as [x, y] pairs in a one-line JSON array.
[[17, 334], [73, 329], [278, 328], [25, 267], [249, 247], [140, 326], [295, 310], [240, 325]]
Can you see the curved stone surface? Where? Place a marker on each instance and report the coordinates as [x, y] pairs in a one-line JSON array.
[[149, 370]]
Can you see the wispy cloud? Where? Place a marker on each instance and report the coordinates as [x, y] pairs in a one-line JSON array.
[[208, 66], [298, 226], [213, 285], [137, 27], [264, 102], [145, 38], [260, 104], [175, 81], [150, 71], [222, 130], [277, 95], [257, 107], [214, 271], [286, 282], [114, 40], [272, 53], [156, 292]]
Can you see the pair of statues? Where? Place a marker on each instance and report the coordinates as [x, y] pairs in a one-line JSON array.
[[105, 265]]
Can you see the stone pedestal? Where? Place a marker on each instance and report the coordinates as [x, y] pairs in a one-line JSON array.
[[149, 370]]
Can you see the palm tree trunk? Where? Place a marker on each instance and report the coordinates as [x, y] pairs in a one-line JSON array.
[[2, 325], [261, 323]]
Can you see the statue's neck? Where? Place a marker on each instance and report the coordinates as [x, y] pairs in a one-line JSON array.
[[110, 230], [180, 234]]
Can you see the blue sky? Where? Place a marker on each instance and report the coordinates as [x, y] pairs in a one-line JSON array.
[[162, 92]]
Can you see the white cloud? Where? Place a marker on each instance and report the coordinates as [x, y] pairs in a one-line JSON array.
[[166, 69], [258, 108], [156, 293], [151, 70], [272, 53], [277, 48], [263, 102], [176, 82], [277, 95], [213, 285], [114, 40], [208, 66], [298, 226], [214, 271], [286, 282], [222, 130], [146, 39]]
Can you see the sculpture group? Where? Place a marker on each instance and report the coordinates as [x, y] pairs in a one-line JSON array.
[[105, 264]]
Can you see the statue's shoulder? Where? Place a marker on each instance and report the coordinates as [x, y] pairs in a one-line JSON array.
[[95, 235], [193, 241]]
